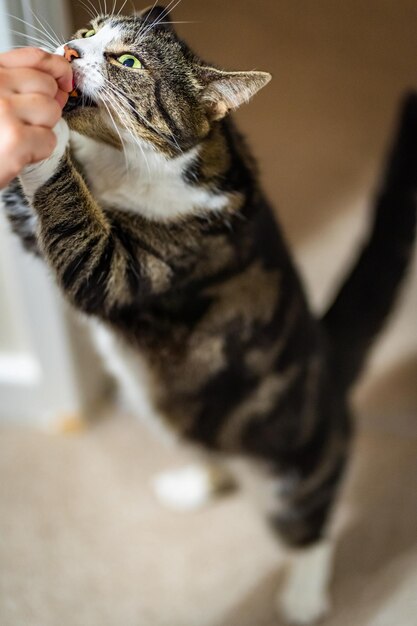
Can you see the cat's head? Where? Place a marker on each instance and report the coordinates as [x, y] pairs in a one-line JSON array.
[[137, 80]]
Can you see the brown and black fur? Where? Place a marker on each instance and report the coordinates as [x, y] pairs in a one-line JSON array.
[[213, 302]]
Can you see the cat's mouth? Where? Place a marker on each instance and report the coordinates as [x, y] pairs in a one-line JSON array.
[[77, 100]]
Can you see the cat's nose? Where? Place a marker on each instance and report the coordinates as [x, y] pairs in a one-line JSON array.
[[71, 53]]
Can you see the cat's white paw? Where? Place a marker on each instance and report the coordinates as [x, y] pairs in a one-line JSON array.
[[304, 599], [303, 607], [190, 488], [34, 176]]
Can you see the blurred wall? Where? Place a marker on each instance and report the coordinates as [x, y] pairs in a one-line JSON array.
[[46, 370]]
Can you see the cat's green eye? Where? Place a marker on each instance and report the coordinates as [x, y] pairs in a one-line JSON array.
[[89, 33], [130, 61]]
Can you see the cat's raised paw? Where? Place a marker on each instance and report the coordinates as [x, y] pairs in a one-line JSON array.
[[34, 176]]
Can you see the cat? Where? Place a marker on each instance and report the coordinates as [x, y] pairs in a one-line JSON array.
[[151, 217]]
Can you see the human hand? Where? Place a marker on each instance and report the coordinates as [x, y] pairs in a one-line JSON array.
[[34, 88]]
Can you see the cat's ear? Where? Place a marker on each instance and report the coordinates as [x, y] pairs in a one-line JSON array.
[[157, 16], [225, 91]]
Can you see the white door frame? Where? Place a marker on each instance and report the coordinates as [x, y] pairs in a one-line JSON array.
[[46, 370]]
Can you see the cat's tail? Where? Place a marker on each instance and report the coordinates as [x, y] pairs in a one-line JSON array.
[[365, 299]]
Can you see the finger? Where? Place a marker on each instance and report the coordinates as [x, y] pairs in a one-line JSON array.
[[62, 98], [36, 109], [41, 142], [56, 66], [25, 80], [21, 144]]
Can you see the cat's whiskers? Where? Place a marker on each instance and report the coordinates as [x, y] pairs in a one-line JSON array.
[[126, 102], [90, 8], [125, 123], [146, 25], [136, 142], [145, 22], [19, 47], [95, 10], [43, 32], [98, 9], [51, 30], [168, 9], [181, 22], [36, 40], [54, 41], [105, 100], [134, 10], [173, 143], [122, 7]]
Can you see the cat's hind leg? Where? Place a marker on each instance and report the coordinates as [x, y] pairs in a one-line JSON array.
[[302, 525], [305, 598]]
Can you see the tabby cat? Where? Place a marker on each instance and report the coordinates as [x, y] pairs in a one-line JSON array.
[[151, 217]]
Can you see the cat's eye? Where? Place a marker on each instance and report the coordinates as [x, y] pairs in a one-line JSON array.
[[89, 33], [129, 61]]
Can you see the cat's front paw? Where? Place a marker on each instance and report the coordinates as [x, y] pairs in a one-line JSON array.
[[34, 176]]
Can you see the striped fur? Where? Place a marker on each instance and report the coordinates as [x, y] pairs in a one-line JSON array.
[[208, 298]]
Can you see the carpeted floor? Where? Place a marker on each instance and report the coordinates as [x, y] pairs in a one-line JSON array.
[[84, 543], [82, 540]]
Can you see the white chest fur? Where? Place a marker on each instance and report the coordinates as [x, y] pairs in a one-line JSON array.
[[151, 184]]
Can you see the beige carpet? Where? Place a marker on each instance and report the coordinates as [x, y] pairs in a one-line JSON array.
[[82, 540], [84, 543]]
